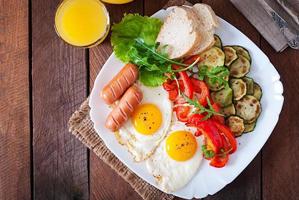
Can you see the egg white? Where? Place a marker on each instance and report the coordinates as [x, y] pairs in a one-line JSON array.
[[172, 175], [139, 145]]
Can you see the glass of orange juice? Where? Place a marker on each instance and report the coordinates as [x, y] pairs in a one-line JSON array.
[[82, 23], [117, 1]]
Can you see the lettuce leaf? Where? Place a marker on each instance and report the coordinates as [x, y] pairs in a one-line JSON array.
[[132, 27], [134, 40], [151, 78]]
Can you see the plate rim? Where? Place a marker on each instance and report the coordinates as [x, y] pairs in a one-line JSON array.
[[278, 92]]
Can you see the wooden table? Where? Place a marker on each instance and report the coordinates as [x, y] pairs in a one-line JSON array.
[[43, 80]]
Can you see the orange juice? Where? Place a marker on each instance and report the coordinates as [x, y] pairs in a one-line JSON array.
[[117, 1], [82, 23]]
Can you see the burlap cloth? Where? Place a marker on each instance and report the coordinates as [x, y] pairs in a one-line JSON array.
[[81, 126]]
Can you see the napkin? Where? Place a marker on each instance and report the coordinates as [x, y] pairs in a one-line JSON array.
[[81, 126], [292, 8], [272, 20]]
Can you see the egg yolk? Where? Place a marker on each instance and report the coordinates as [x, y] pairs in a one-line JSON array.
[[181, 145], [147, 119]]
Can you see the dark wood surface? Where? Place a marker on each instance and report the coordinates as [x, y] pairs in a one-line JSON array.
[[59, 85], [15, 160], [43, 80]]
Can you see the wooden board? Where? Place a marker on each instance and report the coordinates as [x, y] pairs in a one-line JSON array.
[[39, 90], [281, 152], [59, 85], [248, 183], [14, 101], [104, 182]]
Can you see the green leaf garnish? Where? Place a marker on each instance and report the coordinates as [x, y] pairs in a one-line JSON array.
[[134, 40], [151, 78], [201, 109], [215, 75], [207, 153]]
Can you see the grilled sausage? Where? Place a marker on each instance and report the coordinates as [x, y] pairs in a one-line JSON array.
[[120, 83], [124, 109]]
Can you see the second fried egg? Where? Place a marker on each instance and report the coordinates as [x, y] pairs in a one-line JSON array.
[[177, 159]]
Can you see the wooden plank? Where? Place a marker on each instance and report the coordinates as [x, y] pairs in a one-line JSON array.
[[280, 154], [248, 184], [104, 182], [59, 81], [150, 7], [14, 101]]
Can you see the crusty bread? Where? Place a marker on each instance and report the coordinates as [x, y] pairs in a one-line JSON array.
[[206, 22], [179, 33], [205, 13], [188, 30]]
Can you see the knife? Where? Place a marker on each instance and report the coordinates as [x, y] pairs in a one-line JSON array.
[[291, 36]]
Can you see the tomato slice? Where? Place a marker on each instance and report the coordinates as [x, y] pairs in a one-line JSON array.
[[201, 91], [219, 161], [182, 113]]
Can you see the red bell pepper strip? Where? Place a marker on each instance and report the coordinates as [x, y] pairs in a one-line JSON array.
[[195, 120], [219, 160], [211, 132], [169, 85], [172, 95], [188, 87], [191, 59], [218, 118], [198, 132], [188, 91], [201, 90], [228, 136], [172, 88], [208, 129], [182, 113]]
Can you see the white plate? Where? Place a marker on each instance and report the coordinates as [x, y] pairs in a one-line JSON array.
[[208, 180]]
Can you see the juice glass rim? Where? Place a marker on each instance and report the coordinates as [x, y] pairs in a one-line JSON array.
[[98, 41]]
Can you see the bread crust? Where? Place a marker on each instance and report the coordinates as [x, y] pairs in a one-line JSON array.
[[164, 34]]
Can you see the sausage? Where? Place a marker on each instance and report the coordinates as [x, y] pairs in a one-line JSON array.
[[124, 109], [120, 83]]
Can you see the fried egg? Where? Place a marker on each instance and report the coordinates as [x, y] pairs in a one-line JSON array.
[[148, 125], [177, 159]]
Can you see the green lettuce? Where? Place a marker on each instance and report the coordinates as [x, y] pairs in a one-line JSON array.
[[134, 40], [132, 27], [151, 78]]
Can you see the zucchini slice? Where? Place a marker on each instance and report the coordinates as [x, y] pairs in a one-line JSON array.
[[218, 42], [223, 97], [230, 55], [236, 125], [239, 67], [249, 85], [228, 110], [242, 51], [257, 91], [249, 127], [239, 88], [248, 108], [212, 58], [215, 86]]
